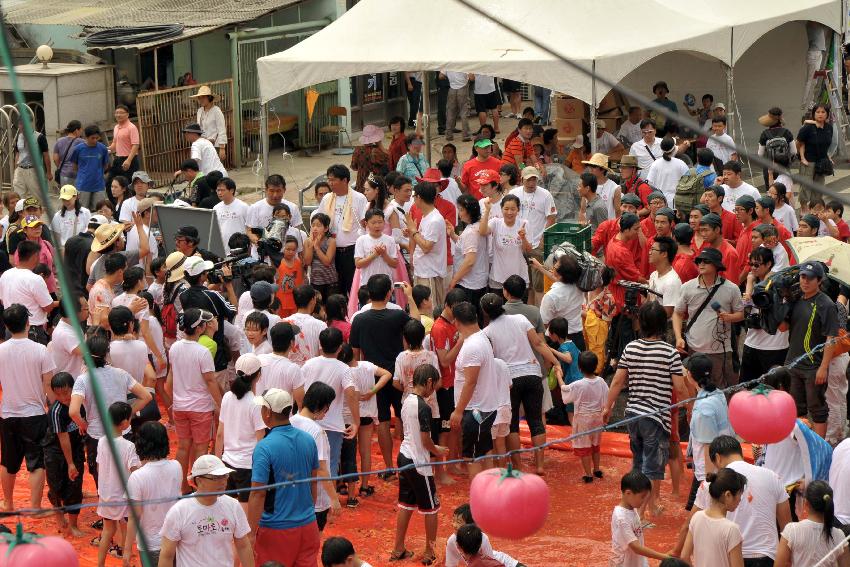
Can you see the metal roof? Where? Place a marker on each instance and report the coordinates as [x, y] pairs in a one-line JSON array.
[[198, 16]]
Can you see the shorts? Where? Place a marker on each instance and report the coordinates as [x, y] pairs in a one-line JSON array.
[[650, 445], [436, 427], [388, 397], [348, 459], [810, 398], [322, 519], [582, 423], [536, 276], [416, 491], [366, 421], [586, 451], [446, 405], [476, 437], [485, 102], [509, 86], [194, 425], [237, 480], [293, 547], [502, 423], [21, 438]]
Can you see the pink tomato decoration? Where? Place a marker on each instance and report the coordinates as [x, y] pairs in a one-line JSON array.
[[508, 503], [762, 415], [28, 550]]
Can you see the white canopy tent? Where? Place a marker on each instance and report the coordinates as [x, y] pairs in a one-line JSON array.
[[445, 34]]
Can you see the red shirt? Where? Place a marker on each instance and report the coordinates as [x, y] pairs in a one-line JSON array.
[[606, 231], [843, 230], [444, 337], [730, 226], [624, 262], [518, 146], [448, 211], [685, 267], [397, 149], [744, 247], [473, 166], [640, 187], [648, 226], [730, 260]]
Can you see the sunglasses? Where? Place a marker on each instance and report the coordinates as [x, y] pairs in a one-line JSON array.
[[755, 264]]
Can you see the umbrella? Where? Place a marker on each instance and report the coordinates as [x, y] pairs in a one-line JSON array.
[[833, 253]]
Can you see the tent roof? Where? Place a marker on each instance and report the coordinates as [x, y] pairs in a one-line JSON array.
[[452, 36]]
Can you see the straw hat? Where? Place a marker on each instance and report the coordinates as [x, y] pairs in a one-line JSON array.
[[204, 90], [174, 267], [105, 236], [598, 160], [371, 134], [629, 161], [772, 118]]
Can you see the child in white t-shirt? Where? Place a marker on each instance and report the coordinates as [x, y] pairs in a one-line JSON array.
[[589, 396], [340, 551], [256, 334], [368, 379], [375, 252], [808, 541], [410, 359], [109, 488], [713, 540], [627, 547]]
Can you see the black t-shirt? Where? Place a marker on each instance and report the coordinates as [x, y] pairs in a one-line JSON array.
[[810, 322], [377, 332], [77, 250], [816, 140], [776, 132]]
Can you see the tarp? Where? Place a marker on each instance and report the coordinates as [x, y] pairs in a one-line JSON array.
[[378, 36]]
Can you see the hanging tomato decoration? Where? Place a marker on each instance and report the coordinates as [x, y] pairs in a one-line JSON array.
[[762, 415], [507, 503]]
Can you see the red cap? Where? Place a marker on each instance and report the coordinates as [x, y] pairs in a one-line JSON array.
[[486, 176]]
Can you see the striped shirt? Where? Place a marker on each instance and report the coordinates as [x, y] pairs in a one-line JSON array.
[[651, 366]]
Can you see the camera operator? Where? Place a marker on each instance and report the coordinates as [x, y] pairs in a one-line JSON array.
[[619, 257], [710, 303], [186, 240], [762, 350], [813, 320], [196, 272]]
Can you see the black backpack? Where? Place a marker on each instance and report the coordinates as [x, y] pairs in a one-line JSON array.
[[776, 147]]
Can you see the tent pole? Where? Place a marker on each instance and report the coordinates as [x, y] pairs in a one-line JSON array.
[[730, 116], [426, 113], [264, 138], [593, 104]]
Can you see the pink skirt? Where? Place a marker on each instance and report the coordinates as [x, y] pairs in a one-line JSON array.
[[400, 276]]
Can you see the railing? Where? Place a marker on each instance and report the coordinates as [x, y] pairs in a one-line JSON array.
[[162, 116]]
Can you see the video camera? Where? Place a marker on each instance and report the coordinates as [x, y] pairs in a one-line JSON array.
[[633, 290], [774, 298], [239, 268]]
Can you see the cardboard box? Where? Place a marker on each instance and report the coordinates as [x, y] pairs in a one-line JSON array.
[[610, 102], [612, 123], [568, 107], [569, 127]]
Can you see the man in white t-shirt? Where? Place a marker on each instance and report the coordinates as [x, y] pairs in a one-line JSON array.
[[537, 209], [606, 142], [763, 506], [734, 186], [64, 346], [21, 285], [25, 372], [721, 143], [232, 213], [203, 531], [260, 213], [336, 374], [278, 371], [648, 148], [664, 278], [429, 243], [141, 182], [203, 151], [308, 327], [630, 130], [346, 208], [477, 395]]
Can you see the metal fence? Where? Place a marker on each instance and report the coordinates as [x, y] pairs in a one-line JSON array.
[[161, 116], [8, 133]]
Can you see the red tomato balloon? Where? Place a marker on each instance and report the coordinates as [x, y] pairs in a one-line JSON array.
[[508, 503], [28, 550], [762, 415]]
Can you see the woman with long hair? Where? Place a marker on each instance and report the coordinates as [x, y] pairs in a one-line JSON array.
[[72, 218], [471, 273], [133, 284], [240, 425], [510, 241], [813, 141], [335, 313], [713, 540], [808, 541], [120, 190]]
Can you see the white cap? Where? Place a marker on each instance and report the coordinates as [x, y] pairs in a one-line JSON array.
[[209, 465], [248, 364], [97, 220], [275, 399], [195, 266], [19, 206]]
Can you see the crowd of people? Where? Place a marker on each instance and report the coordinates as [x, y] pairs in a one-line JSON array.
[[414, 305]]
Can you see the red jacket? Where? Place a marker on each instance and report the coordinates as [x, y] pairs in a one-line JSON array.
[[606, 231], [685, 267], [731, 227], [624, 262], [730, 260], [744, 247], [647, 225]]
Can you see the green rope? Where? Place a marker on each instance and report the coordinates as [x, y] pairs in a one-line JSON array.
[[67, 294]]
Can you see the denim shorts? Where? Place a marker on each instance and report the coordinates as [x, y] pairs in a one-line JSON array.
[[650, 445]]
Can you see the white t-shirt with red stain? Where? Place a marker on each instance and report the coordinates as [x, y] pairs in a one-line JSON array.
[[189, 362], [406, 364]]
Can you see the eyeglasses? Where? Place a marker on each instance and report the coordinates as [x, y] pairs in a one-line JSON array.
[[655, 250], [755, 264]]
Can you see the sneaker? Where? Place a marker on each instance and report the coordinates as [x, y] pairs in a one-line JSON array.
[[352, 502], [587, 479], [598, 474]]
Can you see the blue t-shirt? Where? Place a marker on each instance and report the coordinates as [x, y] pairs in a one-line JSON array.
[[571, 371], [286, 453], [708, 180], [91, 161]]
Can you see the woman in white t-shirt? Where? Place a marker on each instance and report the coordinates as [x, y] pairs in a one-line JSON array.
[[808, 541], [158, 478], [509, 242], [783, 212], [72, 218], [240, 426], [665, 173], [514, 341], [472, 272], [134, 282], [713, 540]]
